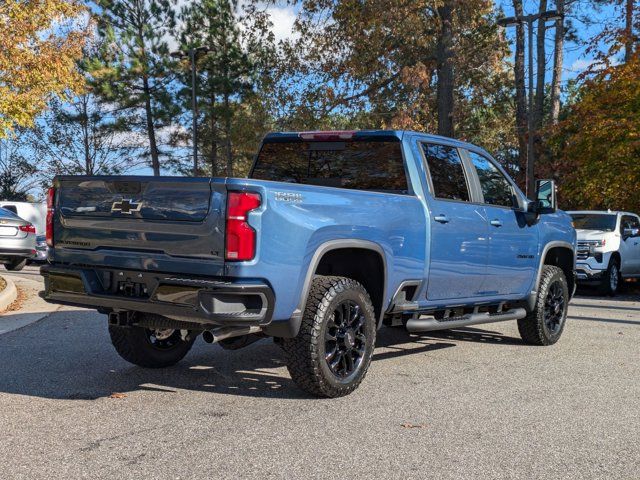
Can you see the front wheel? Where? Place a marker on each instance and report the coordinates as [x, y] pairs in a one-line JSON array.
[[610, 282], [148, 347], [544, 325], [331, 354]]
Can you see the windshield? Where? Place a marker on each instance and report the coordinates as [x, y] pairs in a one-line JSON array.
[[594, 221], [362, 165]]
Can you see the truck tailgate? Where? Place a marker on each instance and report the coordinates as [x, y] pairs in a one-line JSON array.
[[165, 224]]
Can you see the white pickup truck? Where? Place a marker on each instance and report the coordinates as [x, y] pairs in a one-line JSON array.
[[608, 248]]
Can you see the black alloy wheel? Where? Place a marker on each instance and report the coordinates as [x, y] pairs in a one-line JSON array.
[[345, 339], [332, 352], [545, 323], [554, 307]]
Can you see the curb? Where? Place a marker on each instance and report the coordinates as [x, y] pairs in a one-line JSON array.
[[8, 295]]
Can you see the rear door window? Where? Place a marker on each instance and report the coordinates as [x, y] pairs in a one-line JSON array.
[[447, 173], [496, 189], [357, 164]]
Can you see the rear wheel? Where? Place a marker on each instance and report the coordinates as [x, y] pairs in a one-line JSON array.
[[149, 347], [610, 283], [544, 325], [16, 264], [332, 352]]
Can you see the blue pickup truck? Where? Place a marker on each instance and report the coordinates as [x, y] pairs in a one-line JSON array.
[[331, 236]]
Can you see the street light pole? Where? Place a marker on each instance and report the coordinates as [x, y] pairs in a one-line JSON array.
[[550, 15]]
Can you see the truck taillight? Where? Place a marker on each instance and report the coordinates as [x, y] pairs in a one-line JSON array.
[[27, 228], [51, 194], [240, 237]]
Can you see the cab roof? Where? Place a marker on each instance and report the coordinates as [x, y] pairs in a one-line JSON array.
[[337, 135]]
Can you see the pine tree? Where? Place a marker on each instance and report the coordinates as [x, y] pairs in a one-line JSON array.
[[79, 137], [134, 69]]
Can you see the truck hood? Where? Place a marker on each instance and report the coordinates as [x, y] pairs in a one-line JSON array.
[[592, 234]]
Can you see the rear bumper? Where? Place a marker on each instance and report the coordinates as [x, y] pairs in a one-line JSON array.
[[208, 301], [17, 252]]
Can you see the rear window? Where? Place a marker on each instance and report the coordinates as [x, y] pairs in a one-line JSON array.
[[11, 208], [359, 164]]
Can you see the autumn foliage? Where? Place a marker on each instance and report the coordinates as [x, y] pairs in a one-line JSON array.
[[40, 42], [596, 148]]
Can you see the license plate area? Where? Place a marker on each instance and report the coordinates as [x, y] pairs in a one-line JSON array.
[[122, 283], [8, 231], [132, 289]]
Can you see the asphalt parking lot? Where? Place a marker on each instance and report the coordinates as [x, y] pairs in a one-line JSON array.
[[458, 404]]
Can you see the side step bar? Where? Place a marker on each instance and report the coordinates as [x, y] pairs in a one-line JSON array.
[[429, 324]]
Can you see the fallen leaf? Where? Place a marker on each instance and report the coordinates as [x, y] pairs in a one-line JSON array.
[[413, 425], [118, 395]]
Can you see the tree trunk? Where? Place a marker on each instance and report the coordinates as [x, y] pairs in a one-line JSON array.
[[213, 152], [445, 85], [151, 130], [521, 95], [227, 133], [88, 167], [538, 111], [558, 58], [628, 30]]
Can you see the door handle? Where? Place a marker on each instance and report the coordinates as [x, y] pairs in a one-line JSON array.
[[441, 218], [496, 223]]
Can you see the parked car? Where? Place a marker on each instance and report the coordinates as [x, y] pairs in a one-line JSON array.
[[17, 240], [608, 248], [332, 235], [34, 213]]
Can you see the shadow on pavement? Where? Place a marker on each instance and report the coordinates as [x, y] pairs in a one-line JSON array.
[[476, 335], [605, 320], [604, 307], [629, 291], [69, 356]]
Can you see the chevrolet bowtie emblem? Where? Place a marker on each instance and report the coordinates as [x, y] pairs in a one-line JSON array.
[[127, 206]]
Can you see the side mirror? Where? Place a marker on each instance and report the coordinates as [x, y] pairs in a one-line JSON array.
[[630, 232], [545, 199]]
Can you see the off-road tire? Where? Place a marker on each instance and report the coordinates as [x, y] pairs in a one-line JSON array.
[[533, 328], [306, 352], [133, 345], [606, 282], [16, 265]]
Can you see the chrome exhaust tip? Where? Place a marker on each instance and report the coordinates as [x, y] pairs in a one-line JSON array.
[[222, 333]]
